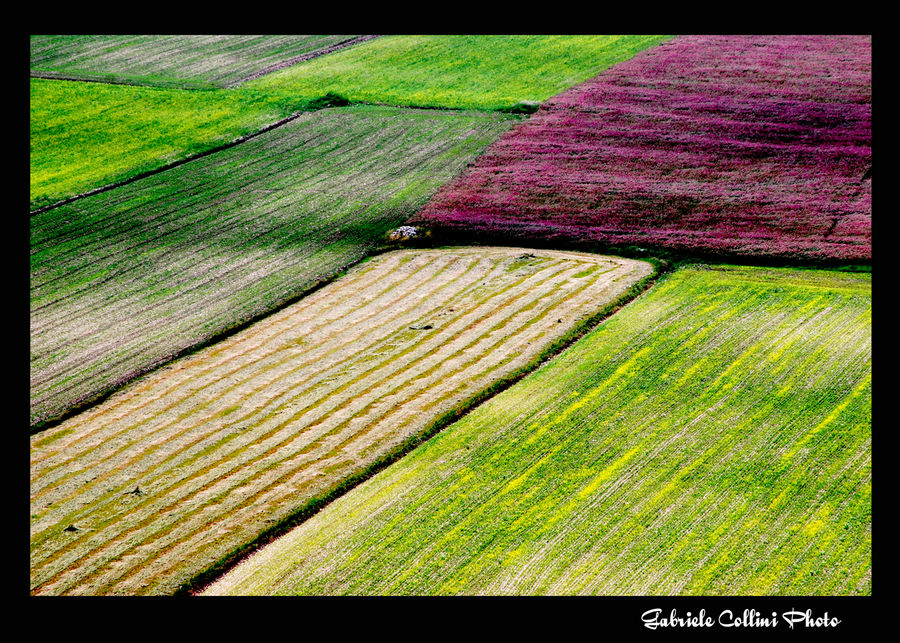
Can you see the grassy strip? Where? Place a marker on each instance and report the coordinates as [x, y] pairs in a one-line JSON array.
[[313, 506], [512, 72], [674, 258]]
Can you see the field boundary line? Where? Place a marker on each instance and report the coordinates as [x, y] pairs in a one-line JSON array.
[[299, 59], [451, 236], [313, 506], [54, 75], [168, 166], [87, 404]]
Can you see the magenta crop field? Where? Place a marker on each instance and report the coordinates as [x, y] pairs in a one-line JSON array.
[[744, 146]]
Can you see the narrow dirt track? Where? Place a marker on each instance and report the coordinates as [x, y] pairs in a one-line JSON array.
[[153, 486]]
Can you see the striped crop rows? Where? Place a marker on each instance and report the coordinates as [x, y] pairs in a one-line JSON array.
[[176, 470], [124, 280], [183, 61], [712, 437]]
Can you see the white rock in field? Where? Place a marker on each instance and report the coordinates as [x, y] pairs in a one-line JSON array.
[[404, 232]]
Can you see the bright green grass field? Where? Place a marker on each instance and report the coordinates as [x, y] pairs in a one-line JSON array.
[[86, 135], [479, 72], [713, 437], [182, 61]]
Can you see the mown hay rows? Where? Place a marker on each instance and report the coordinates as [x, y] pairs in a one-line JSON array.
[[183, 61], [173, 472], [124, 280], [713, 437]]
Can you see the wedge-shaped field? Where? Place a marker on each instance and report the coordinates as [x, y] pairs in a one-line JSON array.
[[87, 135], [748, 146], [177, 470], [181, 61], [475, 72], [123, 280], [712, 437]]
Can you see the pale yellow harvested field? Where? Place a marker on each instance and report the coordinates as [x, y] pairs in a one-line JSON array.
[[169, 475]]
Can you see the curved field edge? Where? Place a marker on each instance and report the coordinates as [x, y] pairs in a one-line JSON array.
[[231, 236], [175, 61], [507, 72], [713, 437], [140, 442]]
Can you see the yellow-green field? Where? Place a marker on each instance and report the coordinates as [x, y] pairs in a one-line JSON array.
[[713, 437], [88, 135], [460, 71]]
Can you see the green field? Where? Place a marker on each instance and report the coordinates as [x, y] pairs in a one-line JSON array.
[[178, 61], [123, 280], [713, 437], [477, 72], [86, 135]]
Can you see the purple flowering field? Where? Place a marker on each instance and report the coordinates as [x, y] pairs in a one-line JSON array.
[[730, 146]]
